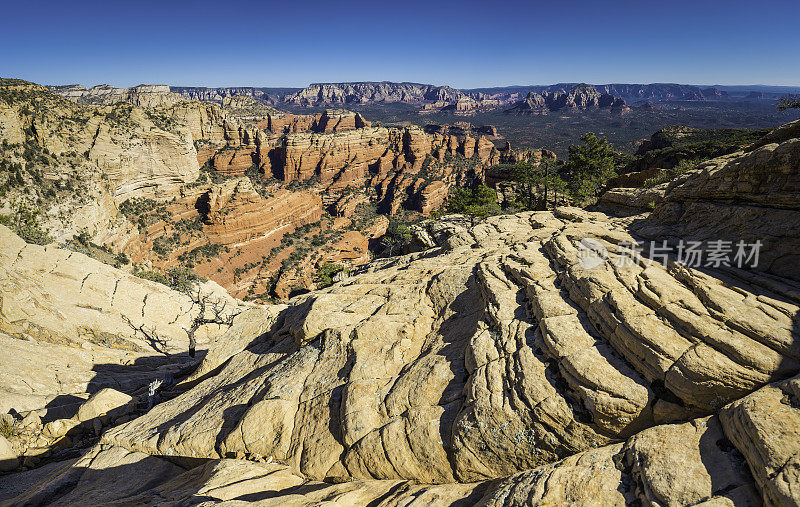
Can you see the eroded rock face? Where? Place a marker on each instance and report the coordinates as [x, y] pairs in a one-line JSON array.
[[523, 349], [238, 214], [527, 359], [62, 314], [746, 196], [219, 95], [138, 152], [525, 355], [103, 156]]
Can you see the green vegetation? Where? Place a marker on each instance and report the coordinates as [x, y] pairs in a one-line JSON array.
[[178, 278], [672, 145], [397, 237], [121, 259], [477, 203], [144, 212], [24, 223], [260, 184], [14, 91], [670, 174], [8, 429], [163, 246], [590, 166], [161, 121], [14, 178], [789, 102], [201, 254], [82, 243], [535, 183], [325, 274]]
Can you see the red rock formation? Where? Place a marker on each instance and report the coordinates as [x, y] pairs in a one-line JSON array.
[[306, 155], [285, 123], [336, 155], [346, 205], [467, 147], [484, 148], [433, 196], [339, 120], [237, 213], [234, 162]]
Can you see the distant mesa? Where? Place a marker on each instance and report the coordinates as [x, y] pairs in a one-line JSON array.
[[361, 93], [580, 97], [271, 96], [648, 106], [429, 98], [145, 95]]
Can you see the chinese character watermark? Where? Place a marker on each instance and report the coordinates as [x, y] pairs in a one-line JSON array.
[[692, 254]]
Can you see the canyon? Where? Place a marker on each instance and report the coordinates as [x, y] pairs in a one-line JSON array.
[[525, 359], [235, 191]]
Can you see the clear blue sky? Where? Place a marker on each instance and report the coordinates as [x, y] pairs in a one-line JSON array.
[[461, 43]]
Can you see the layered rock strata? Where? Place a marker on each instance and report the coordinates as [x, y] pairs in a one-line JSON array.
[[70, 324], [552, 370], [529, 359]]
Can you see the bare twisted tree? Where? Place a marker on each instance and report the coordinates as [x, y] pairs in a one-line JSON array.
[[212, 310]]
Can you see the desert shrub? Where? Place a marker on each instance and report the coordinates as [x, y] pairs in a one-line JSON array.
[[162, 246], [8, 429], [477, 203], [121, 259], [25, 224], [179, 278], [397, 237], [84, 238], [143, 212], [325, 274], [202, 253]]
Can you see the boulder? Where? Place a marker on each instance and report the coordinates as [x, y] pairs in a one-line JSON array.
[[105, 402], [8, 458], [59, 427]]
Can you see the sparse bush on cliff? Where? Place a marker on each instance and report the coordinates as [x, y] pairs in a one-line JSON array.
[[202, 253], [8, 429], [397, 237], [179, 278], [210, 308], [121, 259], [143, 212], [25, 224], [325, 274]]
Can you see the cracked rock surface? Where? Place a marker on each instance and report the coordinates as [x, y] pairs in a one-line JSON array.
[[523, 361]]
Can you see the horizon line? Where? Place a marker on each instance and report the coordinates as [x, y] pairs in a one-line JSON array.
[[427, 84]]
